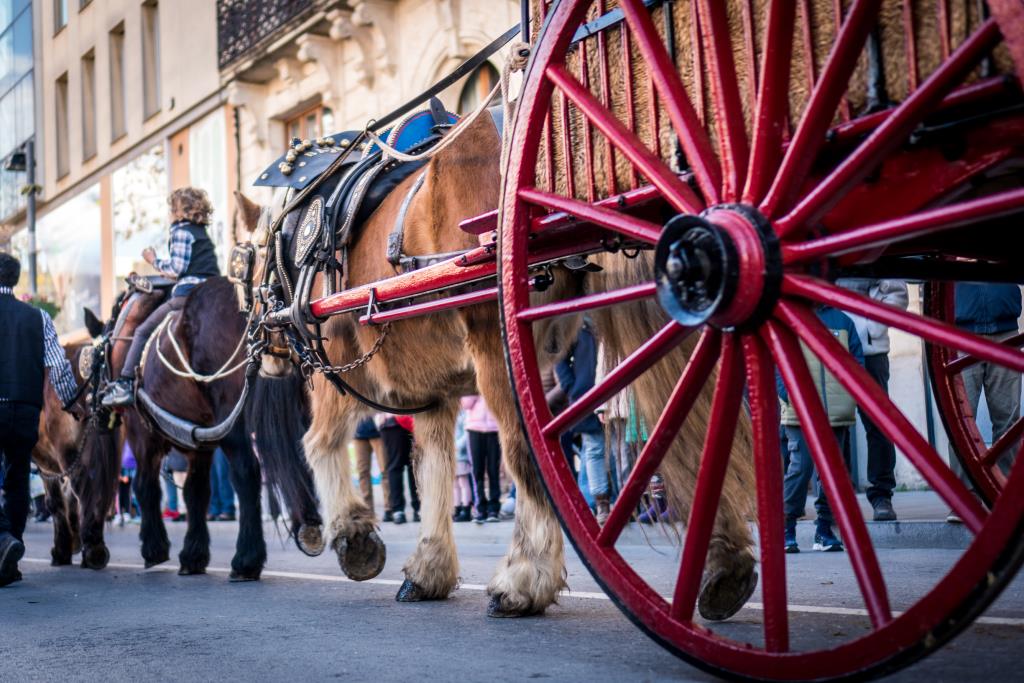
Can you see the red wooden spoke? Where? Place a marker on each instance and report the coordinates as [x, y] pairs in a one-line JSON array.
[[944, 27], [622, 223], [714, 461], [588, 161], [844, 103], [964, 362], [1003, 443], [906, 227], [750, 47], [808, 41], [692, 136], [589, 302], [549, 153], [679, 195], [730, 125], [764, 417], [831, 470], [892, 132], [686, 391], [929, 329], [773, 100], [911, 44], [627, 85], [817, 118], [883, 412], [698, 61], [649, 353], [606, 93]]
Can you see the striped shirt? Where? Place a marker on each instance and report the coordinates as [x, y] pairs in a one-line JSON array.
[[61, 377], [180, 256]]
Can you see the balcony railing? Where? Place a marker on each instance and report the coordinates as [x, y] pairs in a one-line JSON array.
[[244, 26]]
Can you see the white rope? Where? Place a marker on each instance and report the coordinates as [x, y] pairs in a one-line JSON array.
[[189, 373]]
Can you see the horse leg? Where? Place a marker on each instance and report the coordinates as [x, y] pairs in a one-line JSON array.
[[730, 574], [250, 548], [532, 573], [350, 525], [432, 572], [195, 553], [96, 492], [156, 546], [62, 550]]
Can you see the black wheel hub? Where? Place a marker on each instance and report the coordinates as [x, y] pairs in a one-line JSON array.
[[695, 269]]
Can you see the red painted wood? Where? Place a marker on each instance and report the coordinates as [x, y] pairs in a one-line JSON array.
[[764, 417], [691, 134], [883, 412], [892, 132], [431, 307], [831, 470], [714, 461], [589, 303], [622, 223]]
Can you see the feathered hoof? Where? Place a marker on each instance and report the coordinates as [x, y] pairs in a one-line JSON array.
[[310, 540], [361, 556], [412, 592], [243, 577], [95, 557], [723, 593], [191, 571], [499, 610]]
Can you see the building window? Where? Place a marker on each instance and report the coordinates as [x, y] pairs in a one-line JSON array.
[[60, 15], [310, 124], [16, 96], [150, 58], [61, 133], [479, 86], [88, 105], [117, 106]]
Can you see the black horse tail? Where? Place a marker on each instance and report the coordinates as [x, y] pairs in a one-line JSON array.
[[277, 413]]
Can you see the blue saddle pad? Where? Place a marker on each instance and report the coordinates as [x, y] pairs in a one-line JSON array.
[[314, 161]]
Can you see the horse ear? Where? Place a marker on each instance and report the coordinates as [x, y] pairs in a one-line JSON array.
[[92, 323], [248, 210]]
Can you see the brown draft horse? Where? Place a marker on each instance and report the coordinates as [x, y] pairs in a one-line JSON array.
[[78, 503], [436, 359], [208, 329]]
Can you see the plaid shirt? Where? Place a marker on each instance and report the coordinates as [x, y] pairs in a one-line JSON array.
[[61, 377], [179, 248]]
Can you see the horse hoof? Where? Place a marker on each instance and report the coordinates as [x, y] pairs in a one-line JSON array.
[[149, 564], [191, 571], [496, 608], [241, 577], [58, 559], [310, 540], [361, 557], [723, 593], [411, 591], [95, 557]]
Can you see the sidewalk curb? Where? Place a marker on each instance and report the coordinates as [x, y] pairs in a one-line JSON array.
[[900, 534]]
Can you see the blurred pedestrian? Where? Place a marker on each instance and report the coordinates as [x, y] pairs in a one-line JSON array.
[[842, 414], [990, 311], [222, 493], [576, 375], [29, 355], [396, 434], [874, 340], [485, 452], [367, 443], [462, 492]]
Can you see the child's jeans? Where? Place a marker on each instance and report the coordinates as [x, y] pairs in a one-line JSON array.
[[799, 473]]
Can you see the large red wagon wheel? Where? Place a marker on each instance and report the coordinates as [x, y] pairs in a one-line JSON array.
[[746, 243]]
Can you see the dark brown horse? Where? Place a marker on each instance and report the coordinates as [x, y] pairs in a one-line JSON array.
[[78, 461], [198, 416]]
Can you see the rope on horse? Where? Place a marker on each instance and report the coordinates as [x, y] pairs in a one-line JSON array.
[[189, 373]]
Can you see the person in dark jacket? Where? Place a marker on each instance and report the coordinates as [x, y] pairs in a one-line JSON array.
[[396, 434], [576, 375], [29, 355], [192, 259], [990, 311]]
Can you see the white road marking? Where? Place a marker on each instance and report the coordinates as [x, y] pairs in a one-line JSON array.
[[585, 595]]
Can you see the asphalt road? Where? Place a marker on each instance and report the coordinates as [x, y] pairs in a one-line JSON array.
[[303, 621]]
